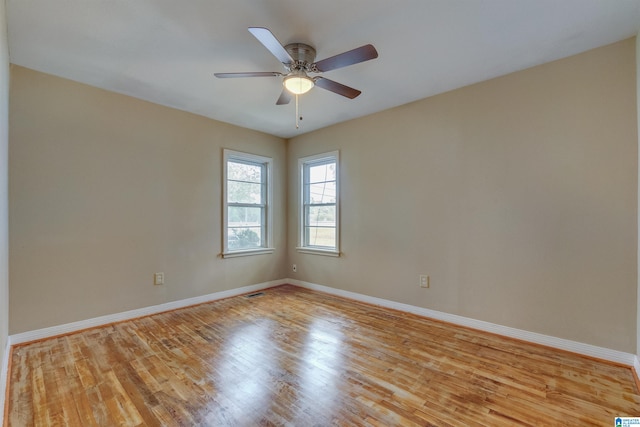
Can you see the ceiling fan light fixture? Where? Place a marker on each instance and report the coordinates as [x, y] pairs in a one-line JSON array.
[[298, 83]]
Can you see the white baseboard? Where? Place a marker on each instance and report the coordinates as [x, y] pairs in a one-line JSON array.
[[546, 340], [4, 372], [67, 328]]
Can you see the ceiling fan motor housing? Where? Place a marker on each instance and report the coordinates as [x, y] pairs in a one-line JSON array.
[[302, 54]]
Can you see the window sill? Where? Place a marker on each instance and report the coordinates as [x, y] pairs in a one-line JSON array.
[[314, 251], [248, 252]]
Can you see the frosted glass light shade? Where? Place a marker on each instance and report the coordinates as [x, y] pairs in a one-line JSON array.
[[298, 84]]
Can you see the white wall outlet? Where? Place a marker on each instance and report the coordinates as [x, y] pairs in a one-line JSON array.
[[158, 279], [295, 268], [424, 281]]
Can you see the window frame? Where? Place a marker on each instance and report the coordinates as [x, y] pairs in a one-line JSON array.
[[267, 215], [303, 164]]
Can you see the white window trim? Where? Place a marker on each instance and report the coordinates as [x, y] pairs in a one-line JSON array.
[[310, 249], [314, 251], [268, 248]]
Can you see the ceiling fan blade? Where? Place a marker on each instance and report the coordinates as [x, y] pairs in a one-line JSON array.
[[270, 41], [355, 56], [285, 98], [256, 74], [336, 87]]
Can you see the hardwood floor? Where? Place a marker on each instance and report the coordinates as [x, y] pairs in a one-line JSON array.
[[301, 358]]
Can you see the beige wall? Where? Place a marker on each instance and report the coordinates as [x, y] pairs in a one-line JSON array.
[[638, 252], [4, 194], [105, 190], [518, 196]]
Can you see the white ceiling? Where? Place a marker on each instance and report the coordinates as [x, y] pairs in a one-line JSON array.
[[166, 51]]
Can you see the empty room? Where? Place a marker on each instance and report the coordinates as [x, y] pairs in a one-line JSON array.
[[297, 213]]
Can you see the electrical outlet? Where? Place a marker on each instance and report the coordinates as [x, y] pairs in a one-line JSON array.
[[158, 279], [295, 268], [424, 281]]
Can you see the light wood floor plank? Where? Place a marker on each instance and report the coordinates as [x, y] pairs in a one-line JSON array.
[[302, 358]]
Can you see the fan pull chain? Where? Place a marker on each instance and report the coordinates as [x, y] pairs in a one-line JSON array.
[[297, 113], [298, 116]]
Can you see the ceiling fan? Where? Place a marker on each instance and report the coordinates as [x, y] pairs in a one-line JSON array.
[[297, 59]]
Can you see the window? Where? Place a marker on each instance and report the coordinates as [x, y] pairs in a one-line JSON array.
[[319, 213], [246, 204]]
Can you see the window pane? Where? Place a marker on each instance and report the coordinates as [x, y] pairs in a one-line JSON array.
[[320, 199], [244, 192], [323, 216], [247, 189], [241, 216], [320, 236], [320, 173], [324, 192], [244, 172], [244, 238]]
